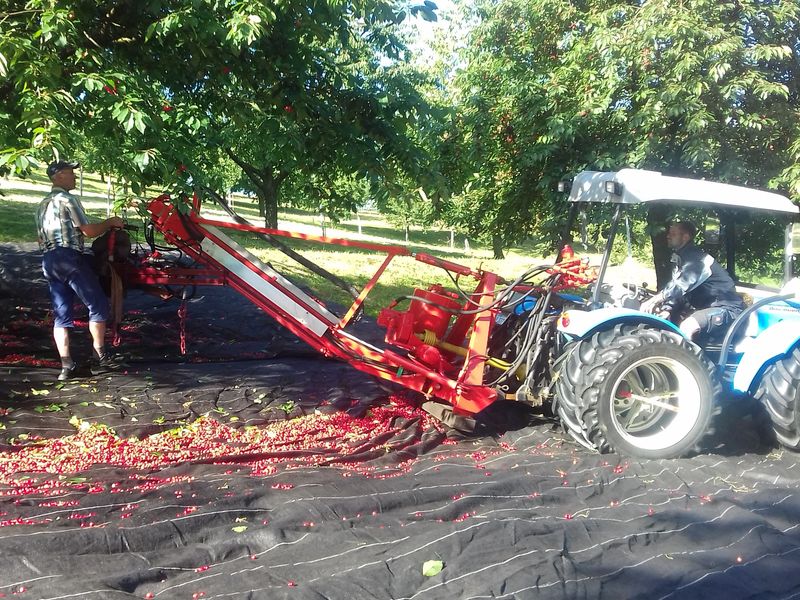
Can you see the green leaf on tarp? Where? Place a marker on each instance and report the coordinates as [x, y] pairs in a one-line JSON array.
[[51, 408], [75, 479], [239, 529], [432, 567]]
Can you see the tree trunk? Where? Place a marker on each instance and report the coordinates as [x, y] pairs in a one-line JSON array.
[[657, 222], [497, 247], [268, 192], [267, 182]]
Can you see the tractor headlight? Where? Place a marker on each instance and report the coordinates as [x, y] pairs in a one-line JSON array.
[[613, 187]]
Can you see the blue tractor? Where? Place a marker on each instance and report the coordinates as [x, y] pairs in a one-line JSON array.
[[631, 382]]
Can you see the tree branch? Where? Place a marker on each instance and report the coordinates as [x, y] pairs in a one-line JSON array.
[[88, 37], [20, 12], [249, 169]]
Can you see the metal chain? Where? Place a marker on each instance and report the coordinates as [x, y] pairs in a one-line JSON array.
[[182, 310]]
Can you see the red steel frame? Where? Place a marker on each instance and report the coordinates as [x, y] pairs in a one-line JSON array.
[[455, 377]]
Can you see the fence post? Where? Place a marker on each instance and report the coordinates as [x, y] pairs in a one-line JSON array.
[[108, 196]]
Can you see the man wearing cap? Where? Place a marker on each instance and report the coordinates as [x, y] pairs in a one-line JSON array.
[[700, 281], [62, 224]]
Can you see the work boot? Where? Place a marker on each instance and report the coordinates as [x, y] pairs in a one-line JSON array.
[[67, 373], [105, 360], [74, 371]]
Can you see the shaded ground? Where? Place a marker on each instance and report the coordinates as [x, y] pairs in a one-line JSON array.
[[253, 468]]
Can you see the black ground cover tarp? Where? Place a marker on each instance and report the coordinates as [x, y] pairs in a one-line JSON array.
[[253, 468]]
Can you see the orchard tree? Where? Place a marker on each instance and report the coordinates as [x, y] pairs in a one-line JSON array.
[[332, 195], [695, 88], [159, 92]]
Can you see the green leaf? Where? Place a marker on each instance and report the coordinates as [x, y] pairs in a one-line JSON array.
[[22, 162], [75, 479], [151, 29], [130, 123], [432, 567], [141, 160], [239, 528], [139, 123]]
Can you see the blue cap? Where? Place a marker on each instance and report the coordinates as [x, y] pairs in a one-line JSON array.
[[60, 165]]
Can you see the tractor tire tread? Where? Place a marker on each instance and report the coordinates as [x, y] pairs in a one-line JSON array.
[[588, 365], [779, 392]]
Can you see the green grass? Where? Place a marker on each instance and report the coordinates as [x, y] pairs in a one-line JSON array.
[[17, 221], [356, 266]]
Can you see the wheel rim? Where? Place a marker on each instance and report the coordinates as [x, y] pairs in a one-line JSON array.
[[656, 402]]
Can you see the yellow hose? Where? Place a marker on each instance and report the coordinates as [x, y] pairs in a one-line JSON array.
[[430, 338]]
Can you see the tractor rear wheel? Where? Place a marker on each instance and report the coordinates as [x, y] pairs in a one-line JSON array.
[[639, 391], [779, 391]]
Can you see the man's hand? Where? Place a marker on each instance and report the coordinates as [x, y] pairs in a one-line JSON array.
[[664, 313], [97, 229], [653, 305]]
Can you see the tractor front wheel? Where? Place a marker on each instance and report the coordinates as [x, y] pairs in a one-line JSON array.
[[642, 392], [779, 392]]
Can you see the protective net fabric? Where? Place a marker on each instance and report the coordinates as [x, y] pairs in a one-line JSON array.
[[254, 468]]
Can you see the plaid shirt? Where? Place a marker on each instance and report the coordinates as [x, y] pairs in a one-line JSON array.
[[58, 219]]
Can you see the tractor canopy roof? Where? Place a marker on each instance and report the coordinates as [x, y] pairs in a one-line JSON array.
[[634, 186]]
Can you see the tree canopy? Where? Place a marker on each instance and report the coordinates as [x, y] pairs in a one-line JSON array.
[[167, 92], [550, 87], [319, 99]]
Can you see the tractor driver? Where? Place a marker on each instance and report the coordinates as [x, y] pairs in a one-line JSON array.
[[697, 280]]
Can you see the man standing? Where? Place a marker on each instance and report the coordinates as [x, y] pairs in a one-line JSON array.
[[699, 280], [62, 224]]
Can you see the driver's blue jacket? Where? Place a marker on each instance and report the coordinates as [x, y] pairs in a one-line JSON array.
[[699, 280]]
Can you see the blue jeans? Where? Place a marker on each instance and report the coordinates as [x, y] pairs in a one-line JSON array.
[[69, 274], [714, 321]]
